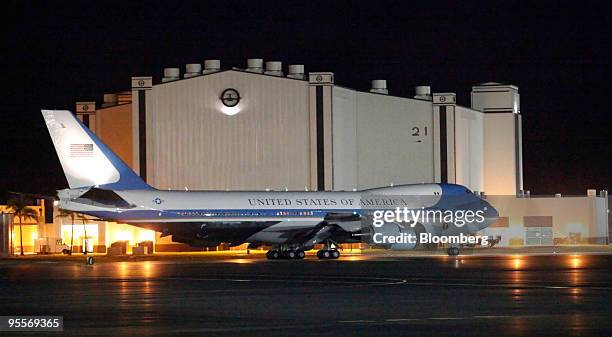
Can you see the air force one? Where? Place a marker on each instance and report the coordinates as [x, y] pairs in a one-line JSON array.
[[103, 186]]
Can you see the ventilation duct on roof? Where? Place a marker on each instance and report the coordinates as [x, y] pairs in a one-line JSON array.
[[379, 87], [255, 66], [211, 66], [192, 69], [422, 92], [296, 71], [274, 68], [171, 74]]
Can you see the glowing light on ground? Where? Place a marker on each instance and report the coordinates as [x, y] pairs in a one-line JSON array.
[[575, 261], [517, 262]]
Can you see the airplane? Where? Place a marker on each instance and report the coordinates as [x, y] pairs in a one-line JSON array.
[[103, 186]]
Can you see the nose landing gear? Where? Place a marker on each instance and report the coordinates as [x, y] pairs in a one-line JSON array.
[[453, 251]]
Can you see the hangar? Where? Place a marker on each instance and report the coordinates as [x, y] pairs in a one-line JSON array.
[[257, 128], [301, 131]]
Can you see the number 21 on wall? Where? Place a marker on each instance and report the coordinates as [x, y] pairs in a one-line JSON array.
[[416, 131]]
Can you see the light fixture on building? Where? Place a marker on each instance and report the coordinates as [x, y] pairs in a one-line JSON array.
[[230, 111]]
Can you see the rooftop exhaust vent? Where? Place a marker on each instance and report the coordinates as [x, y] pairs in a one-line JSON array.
[[192, 69], [274, 68], [211, 66], [171, 74], [255, 66], [110, 100], [379, 87], [423, 92], [296, 71]]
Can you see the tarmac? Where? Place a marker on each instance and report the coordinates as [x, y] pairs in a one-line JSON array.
[[493, 292]]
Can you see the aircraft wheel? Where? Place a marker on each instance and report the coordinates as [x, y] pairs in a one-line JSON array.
[[453, 251], [335, 254], [273, 254], [324, 254], [300, 254], [291, 254]]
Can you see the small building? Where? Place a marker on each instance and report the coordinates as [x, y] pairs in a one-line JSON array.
[[550, 220]]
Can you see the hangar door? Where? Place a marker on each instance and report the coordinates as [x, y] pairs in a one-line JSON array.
[[538, 230]]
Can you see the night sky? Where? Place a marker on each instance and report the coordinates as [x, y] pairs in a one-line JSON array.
[[558, 54]]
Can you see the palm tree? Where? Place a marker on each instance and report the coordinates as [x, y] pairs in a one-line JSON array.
[[21, 210], [71, 214]]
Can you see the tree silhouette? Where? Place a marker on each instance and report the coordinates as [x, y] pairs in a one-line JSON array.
[[22, 211]]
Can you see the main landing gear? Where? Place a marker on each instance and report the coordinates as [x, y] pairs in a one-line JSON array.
[[296, 252], [329, 252], [277, 253]]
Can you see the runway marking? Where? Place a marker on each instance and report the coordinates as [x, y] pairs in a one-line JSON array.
[[395, 320], [357, 321], [505, 286], [493, 316], [356, 282]]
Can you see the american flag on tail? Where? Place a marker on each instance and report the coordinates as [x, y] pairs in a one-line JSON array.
[[81, 150]]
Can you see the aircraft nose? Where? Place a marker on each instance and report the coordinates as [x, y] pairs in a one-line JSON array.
[[484, 208], [490, 213]]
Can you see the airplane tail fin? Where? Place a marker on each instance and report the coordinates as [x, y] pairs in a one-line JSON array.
[[85, 159]]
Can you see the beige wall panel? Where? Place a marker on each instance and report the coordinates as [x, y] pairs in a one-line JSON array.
[[192, 143], [312, 101], [114, 127], [584, 215], [135, 139], [499, 154]]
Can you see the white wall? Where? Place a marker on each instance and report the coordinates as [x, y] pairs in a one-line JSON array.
[[382, 149], [374, 144], [344, 138], [502, 137], [469, 147]]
